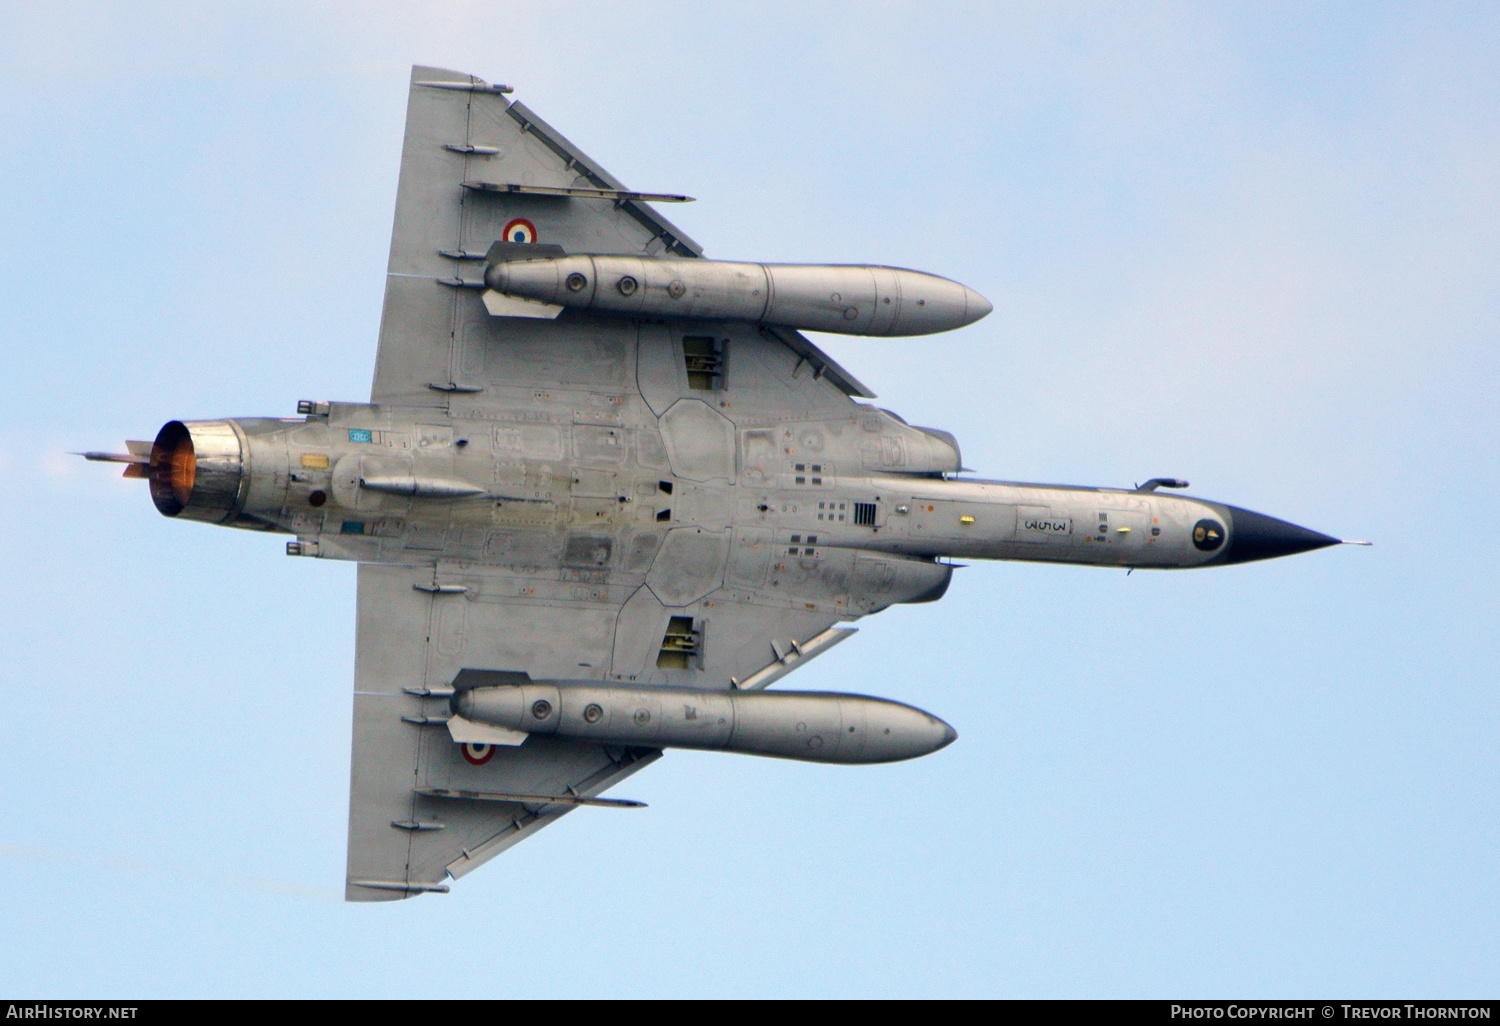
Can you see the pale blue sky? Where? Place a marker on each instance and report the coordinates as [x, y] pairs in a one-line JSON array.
[[1257, 247]]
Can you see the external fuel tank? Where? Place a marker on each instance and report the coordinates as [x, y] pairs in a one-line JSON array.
[[847, 299], [807, 726]]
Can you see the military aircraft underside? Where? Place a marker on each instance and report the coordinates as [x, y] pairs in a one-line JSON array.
[[605, 493]]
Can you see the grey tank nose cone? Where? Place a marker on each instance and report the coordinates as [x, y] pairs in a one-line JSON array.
[[1255, 536], [949, 736], [976, 306]]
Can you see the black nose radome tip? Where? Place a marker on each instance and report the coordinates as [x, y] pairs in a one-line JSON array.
[[1256, 536]]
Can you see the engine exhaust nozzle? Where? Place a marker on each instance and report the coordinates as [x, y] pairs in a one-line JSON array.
[[197, 470]]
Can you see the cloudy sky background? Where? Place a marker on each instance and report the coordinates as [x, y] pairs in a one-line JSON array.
[[1254, 246]]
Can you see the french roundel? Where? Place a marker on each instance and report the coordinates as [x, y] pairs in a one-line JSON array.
[[478, 755], [520, 230]]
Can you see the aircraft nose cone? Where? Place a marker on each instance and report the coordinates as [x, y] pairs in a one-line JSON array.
[[1255, 536], [975, 306]]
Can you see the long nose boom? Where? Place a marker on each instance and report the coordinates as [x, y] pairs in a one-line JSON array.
[[1255, 536]]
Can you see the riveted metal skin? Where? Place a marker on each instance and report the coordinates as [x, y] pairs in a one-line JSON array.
[[974, 519], [316, 477], [806, 726], [854, 299]]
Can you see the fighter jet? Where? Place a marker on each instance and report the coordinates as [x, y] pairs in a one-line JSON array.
[[605, 493]]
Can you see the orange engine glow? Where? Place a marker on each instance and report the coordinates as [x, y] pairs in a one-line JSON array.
[[184, 467], [174, 467]]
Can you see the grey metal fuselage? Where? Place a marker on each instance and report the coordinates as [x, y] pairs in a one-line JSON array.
[[853, 513]]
